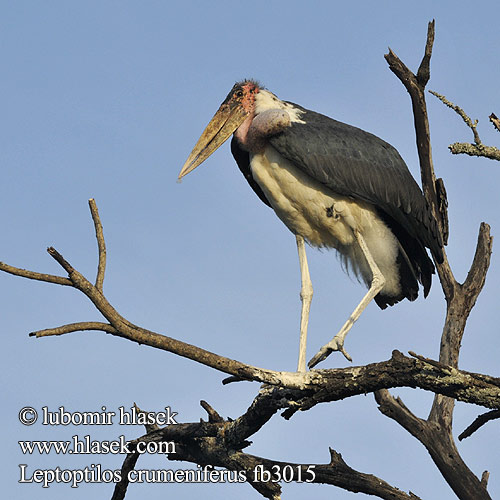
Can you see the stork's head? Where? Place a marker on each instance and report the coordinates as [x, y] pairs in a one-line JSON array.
[[237, 106]]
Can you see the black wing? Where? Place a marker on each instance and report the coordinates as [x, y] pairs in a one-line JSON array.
[[358, 164]]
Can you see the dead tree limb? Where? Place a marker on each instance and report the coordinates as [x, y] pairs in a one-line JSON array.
[[478, 423], [198, 443], [219, 443], [435, 433], [313, 387], [478, 148], [495, 120]]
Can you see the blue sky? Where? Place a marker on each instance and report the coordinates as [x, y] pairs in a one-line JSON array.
[[106, 100]]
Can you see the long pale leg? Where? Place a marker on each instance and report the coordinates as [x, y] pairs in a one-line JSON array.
[[306, 293], [378, 281]]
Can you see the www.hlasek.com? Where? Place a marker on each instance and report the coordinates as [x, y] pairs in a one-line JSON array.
[[95, 473]]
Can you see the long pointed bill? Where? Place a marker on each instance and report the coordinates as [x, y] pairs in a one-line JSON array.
[[227, 119]]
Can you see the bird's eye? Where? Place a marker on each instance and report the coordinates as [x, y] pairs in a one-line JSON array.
[[238, 94]]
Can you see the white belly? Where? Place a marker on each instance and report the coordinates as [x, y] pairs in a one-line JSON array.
[[327, 219]]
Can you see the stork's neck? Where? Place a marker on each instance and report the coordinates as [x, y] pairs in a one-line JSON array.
[[242, 131], [269, 116], [265, 100]]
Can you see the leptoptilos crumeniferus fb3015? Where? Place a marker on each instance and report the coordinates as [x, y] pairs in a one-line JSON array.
[[334, 186]]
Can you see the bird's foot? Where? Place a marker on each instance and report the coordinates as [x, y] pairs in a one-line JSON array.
[[336, 344]]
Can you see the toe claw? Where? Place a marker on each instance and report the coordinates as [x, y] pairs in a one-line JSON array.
[[326, 350], [321, 355], [345, 353]]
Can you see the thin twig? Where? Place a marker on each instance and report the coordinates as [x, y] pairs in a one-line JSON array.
[[76, 327], [128, 466], [230, 380], [101, 244], [149, 427], [478, 148], [478, 423], [213, 416], [135, 333], [484, 479], [460, 112], [32, 275], [62, 262], [495, 120]]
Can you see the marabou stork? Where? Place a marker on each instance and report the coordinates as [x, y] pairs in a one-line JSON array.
[[335, 186]]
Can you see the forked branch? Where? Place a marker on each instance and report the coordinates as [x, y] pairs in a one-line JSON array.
[[219, 442], [311, 388], [435, 433], [478, 148]]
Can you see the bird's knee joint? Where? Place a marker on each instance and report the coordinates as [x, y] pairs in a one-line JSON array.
[[340, 209], [378, 280], [306, 294]]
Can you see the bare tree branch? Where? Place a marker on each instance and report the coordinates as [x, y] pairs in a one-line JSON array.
[[101, 244], [440, 445], [210, 443], [49, 278], [415, 86], [128, 465], [478, 148], [315, 386], [76, 327], [478, 423], [213, 416], [484, 478], [495, 120], [435, 433]]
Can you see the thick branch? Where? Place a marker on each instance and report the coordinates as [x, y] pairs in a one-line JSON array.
[[436, 432], [462, 301], [476, 276], [317, 385], [401, 371], [415, 86], [209, 443], [440, 445]]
